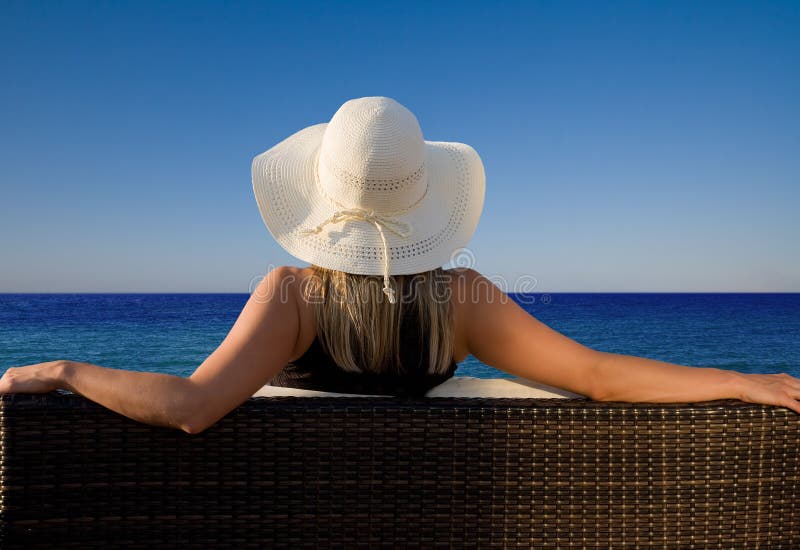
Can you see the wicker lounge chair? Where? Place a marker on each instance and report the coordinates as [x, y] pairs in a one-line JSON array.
[[352, 472]]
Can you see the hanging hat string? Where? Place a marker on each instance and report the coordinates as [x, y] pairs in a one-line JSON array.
[[398, 227]]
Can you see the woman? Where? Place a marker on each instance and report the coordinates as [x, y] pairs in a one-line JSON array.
[[377, 211]]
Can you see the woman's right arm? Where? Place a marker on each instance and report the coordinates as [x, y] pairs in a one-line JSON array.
[[501, 334]]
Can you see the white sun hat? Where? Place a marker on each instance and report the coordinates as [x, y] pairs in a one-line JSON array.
[[366, 194]]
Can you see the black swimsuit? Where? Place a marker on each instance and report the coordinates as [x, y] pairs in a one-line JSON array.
[[316, 370]]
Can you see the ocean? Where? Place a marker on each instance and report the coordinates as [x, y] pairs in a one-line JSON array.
[[174, 333]]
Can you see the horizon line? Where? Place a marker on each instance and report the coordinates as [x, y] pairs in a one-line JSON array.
[[163, 293]]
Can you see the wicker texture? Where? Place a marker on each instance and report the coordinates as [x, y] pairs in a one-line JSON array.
[[374, 472]]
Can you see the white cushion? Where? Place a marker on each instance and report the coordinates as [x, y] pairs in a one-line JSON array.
[[467, 386], [273, 391], [458, 386]]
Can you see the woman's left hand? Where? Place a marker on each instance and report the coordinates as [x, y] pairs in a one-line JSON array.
[[38, 378]]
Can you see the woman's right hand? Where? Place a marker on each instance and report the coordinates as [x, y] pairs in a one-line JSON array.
[[771, 389]]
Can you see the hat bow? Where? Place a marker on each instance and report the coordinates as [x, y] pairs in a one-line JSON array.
[[381, 222]]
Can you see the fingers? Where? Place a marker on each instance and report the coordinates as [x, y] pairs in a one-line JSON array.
[[779, 389], [789, 395], [6, 381], [789, 379], [791, 403]]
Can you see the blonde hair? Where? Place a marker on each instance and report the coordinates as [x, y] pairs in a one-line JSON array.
[[360, 329]]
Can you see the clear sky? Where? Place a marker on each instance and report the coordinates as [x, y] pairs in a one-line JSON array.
[[628, 146]]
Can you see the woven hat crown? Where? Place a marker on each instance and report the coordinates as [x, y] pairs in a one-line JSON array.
[[372, 156], [365, 193]]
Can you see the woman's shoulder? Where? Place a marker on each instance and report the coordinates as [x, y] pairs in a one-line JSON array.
[[462, 274], [470, 287], [288, 276], [282, 283], [286, 284], [290, 272]]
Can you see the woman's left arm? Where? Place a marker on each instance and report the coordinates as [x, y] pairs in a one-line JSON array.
[[255, 350]]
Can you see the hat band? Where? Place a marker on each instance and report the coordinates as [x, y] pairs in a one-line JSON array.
[[372, 184], [381, 195]]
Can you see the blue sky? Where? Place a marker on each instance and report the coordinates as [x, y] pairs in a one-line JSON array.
[[628, 146]]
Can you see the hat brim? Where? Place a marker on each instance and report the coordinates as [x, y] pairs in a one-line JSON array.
[[290, 199]]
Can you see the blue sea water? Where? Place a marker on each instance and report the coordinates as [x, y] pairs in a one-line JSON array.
[[174, 333]]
